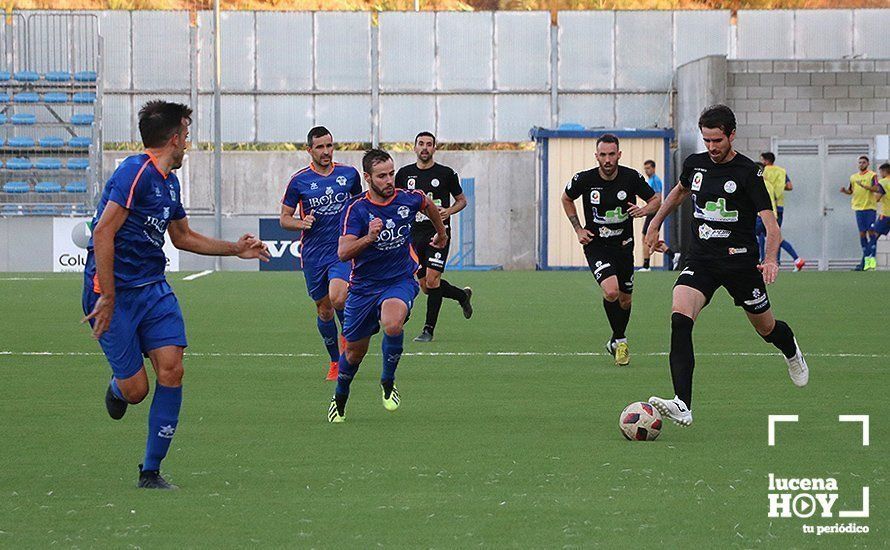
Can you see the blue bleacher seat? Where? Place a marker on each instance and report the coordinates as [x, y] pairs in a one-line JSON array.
[[85, 76], [4, 97], [12, 210], [18, 164], [2, 118], [51, 142], [26, 76], [45, 210], [2, 141], [80, 142], [84, 97], [26, 97], [26, 119], [78, 164], [5, 76], [55, 97], [82, 119], [16, 187], [76, 187], [58, 76], [48, 164], [48, 187], [21, 142]]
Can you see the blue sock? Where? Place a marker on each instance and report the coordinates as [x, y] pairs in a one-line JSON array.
[[328, 331], [863, 241], [761, 245], [340, 316], [346, 374], [116, 390], [786, 246], [392, 352], [873, 244], [163, 418]]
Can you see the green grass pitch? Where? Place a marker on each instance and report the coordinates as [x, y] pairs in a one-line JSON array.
[[507, 438]]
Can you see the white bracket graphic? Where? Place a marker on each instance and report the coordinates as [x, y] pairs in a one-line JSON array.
[[860, 513], [857, 418], [773, 418]]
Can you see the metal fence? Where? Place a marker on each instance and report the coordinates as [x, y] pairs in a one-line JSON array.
[[471, 77]]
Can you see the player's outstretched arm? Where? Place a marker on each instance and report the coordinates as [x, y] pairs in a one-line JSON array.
[[769, 267], [673, 201], [113, 217], [440, 239], [568, 206], [247, 247]]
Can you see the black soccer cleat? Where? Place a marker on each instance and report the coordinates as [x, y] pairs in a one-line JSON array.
[[152, 479], [466, 305], [116, 407], [425, 336]]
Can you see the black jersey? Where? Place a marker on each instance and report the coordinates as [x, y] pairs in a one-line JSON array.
[[439, 183], [606, 203], [727, 198]]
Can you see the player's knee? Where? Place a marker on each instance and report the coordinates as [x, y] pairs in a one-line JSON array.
[[393, 327], [610, 294], [354, 356], [625, 300], [338, 302], [171, 375], [325, 312], [135, 395]]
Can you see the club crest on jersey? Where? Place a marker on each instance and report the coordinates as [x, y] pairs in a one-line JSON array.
[[622, 195], [594, 197], [412, 183], [435, 182], [729, 186], [403, 212], [341, 180], [696, 181]]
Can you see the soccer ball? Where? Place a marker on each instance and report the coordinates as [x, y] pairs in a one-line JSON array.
[[640, 422]]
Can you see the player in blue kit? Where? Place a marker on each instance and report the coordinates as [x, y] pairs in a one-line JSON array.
[[376, 237], [126, 298], [318, 194]]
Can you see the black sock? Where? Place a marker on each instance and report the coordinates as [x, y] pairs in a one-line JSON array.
[[433, 305], [625, 318], [387, 387], [782, 338], [682, 357], [646, 263], [617, 318], [452, 292]]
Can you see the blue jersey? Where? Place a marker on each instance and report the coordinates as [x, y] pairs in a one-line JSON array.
[[325, 197], [391, 257], [656, 184], [152, 200]]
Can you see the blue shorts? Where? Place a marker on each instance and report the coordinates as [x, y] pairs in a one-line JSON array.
[[144, 319], [865, 219], [759, 228], [318, 278], [362, 313], [882, 226]]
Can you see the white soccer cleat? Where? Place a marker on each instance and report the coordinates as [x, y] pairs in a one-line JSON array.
[[797, 368], [674, 409]]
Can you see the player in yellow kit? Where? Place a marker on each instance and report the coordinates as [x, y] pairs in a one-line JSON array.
[[882, 225], [777, 182], [865, 206]]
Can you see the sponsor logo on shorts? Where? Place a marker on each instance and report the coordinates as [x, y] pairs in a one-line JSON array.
[[706, 232], [601, 266], [687, 272]]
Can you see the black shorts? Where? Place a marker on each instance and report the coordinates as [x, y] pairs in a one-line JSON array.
[[429, 256], [605, 262], [744, 283], [646, 223]]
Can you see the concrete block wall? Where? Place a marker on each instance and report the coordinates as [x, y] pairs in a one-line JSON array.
[[802, 99]]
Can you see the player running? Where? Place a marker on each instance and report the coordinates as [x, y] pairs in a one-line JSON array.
[[670, 257], [777, 182], [126, 298], [377, 238], [320, 192], [882, 226], [439, 183], [609, 196], [865, 206], [728, 193]]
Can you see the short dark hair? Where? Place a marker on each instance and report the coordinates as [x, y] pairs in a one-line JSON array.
[[608, 138], [424, 134], [885, 167], [864, 157], [317, 132], [769, 156], [649, 162], [718, 116], [159, 120], [372, 157]]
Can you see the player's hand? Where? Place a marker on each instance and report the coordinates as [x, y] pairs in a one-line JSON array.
[[769, 270], [308, 220], [652, 241], [374, 228], [635, 211], [251, 248], [439, 241], [584, 235], [101, 315], [444, 213]]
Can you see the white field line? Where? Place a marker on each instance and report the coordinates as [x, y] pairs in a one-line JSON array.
[[194, 276], [24, 278], [449, 354]]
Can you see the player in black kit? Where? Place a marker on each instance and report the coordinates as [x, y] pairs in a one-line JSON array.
[[609, 194], [728, 193], [440, 184]]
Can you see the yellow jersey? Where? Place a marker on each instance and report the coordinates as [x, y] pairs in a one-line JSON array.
[[863, 198], [885, 198], [774, 177]]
